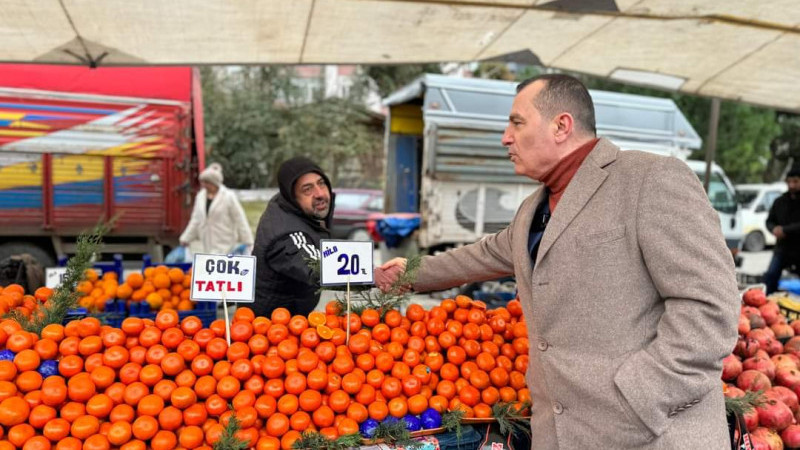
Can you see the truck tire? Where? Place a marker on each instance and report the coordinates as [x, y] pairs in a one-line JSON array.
[[754, 242], [15, 248]]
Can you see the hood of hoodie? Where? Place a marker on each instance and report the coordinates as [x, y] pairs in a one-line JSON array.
[[289, 172]]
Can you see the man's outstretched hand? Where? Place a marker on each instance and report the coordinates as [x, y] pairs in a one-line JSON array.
[[388, 274]]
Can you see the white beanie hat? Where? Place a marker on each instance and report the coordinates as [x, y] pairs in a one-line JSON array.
[[212, 174]]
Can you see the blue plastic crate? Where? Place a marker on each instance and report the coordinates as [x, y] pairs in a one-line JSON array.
[[205, 311], [147, 261], [75, 314], [105, 266]]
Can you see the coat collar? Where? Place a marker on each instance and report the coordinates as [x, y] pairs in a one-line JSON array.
[[589, 177]]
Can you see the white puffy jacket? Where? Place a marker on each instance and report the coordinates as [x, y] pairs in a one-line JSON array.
[[223, 228]]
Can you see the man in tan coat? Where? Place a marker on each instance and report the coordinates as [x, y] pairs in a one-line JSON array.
[[627, 287]]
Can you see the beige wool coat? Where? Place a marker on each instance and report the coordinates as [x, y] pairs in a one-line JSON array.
[[630, 309]]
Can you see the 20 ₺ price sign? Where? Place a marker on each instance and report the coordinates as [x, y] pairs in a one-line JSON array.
[[216, 275], [345, 262]]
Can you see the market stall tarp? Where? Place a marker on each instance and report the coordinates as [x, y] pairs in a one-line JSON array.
[[736, 49]]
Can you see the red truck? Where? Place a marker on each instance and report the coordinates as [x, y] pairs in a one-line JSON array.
[[81, 145]]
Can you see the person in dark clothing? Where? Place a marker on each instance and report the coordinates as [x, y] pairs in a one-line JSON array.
[[784, 222], [288, 235]]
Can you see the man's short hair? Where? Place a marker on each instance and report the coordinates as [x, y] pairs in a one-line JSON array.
[[793, 173], [563, 93]]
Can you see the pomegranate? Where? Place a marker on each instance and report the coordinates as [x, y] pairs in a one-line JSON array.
[[753, 380], [754, 297], [795, 324], [756, 321], [759, 443], [744, 324], [782, 331], [761, 364], [747, 348], [792, 346], [770, 311], [771, 438], [786, 361], [751, 419], [763, 335], [786, 377], [775, 347], [784, 394], [774, 414], [731, 367], [791, 436], [732, 391]]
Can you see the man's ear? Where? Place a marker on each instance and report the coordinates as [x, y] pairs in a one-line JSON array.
[[564, 124]]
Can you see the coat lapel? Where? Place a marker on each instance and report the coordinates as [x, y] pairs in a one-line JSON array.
[[522, 231], [589, 177]]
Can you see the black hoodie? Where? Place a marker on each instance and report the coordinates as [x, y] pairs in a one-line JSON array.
[[286, 237]]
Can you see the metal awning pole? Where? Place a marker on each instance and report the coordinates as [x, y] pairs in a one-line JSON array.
[[711, 149]]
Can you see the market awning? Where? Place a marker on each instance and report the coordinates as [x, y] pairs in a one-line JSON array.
[[735, 49]]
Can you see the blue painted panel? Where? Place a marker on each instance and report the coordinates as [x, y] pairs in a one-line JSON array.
[[407, 194]]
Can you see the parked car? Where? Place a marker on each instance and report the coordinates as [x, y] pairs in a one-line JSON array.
[[353, 206], [755, 201]]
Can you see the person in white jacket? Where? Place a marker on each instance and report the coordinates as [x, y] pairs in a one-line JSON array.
[[218, 223]]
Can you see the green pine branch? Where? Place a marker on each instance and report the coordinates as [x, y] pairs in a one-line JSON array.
[[228, 439], [65, 296], [451, 421], [509, 418], [742, 405], [312, 440], [395, 434], [384, 301]]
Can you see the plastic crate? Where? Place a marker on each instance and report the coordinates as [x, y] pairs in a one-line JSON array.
[[205, 311], [105, 266], [147, 261], [75, 314]]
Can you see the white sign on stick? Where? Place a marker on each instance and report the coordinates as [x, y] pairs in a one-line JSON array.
[[54, 276], [346, 262], [228, 277]]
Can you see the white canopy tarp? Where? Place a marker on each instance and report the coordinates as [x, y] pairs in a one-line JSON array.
[[746, 50]]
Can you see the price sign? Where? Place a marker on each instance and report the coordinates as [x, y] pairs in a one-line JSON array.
[[346, 262], [54, 276], [223, 277]]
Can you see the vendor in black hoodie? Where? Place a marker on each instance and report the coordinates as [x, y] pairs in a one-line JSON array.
[[784, 222], [288, 235]]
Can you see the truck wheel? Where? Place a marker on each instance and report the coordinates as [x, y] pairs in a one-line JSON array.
[[15, 248], [754, 242]]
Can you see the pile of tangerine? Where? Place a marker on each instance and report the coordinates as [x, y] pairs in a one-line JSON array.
[[168, 383]]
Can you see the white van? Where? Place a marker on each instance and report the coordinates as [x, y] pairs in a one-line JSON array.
[[722, 195], [755, 201]]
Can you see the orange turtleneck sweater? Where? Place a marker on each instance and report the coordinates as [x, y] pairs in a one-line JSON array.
[[558, 179]]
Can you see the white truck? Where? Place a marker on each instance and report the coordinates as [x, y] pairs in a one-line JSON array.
[[445, 160]]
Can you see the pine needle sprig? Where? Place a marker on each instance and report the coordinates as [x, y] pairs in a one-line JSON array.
[[451, 421], [396, 434], [383, 302], [312, 440], [65, 296], [509, 418], [348, 441], [228, 439], [742, 405]]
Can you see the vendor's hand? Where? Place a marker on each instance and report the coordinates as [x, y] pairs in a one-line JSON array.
[[778, 232]]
